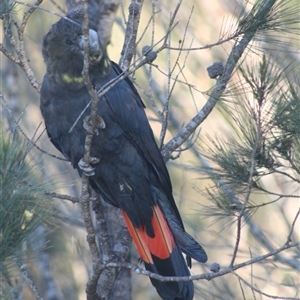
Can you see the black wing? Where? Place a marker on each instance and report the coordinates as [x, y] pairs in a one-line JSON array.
[[128, 111]]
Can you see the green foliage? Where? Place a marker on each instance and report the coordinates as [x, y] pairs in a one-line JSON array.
[[6, 7], [275, 112], [281, 17], [24, 205], [266, 138]]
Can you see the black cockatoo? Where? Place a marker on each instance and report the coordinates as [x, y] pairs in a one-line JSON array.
[[129, 171]]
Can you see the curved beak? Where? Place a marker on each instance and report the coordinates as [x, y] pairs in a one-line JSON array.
[[95, 49]]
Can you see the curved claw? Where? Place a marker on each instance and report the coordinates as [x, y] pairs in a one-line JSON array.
[[94, 160], [100, 124], [86, 168]]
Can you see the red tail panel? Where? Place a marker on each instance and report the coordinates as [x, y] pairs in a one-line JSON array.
[[140, 239], [160, 245], [162, 256]]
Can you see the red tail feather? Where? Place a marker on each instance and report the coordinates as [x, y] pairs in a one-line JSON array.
[[160, 245]]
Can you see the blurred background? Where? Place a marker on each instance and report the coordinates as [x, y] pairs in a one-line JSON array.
[[179, 77]]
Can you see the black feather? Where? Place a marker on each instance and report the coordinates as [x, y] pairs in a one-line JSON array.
[[131, 173]]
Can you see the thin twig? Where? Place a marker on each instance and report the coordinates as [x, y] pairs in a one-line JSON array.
[[248, 192], [12, 57], [219, 88], [109, 85], [238, 238], [289, 238], [40, 8], [129, 45], [24, 134], [85, 196], [104, 243], [63, 197], [261, 292], [207, 276], [29, 281], [24, 64]]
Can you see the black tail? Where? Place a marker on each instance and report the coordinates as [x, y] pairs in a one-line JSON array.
[[162, 256], [174, 265]]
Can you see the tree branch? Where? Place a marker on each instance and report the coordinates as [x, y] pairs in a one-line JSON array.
[[29, 281], [261, 292], [220, 86], [129, 45], [207, 276]]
